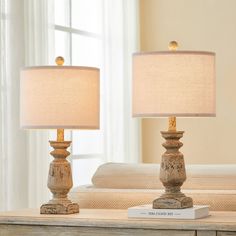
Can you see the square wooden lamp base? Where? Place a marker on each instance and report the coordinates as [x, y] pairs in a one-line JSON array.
[[172, 202], [59, 208]]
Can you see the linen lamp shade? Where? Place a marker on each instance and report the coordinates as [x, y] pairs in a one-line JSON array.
[[174, 83], [59, 97]]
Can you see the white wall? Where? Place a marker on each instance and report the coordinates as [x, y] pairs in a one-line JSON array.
[[197, 25]]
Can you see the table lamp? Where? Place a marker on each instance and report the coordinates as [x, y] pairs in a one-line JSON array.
[[173, 84], [59, 97]]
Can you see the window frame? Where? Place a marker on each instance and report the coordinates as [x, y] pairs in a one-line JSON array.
[[70, 31]]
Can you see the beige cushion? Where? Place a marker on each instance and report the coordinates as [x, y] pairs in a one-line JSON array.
[[126, 176], [120, 185], [146, 176], [105, 198]]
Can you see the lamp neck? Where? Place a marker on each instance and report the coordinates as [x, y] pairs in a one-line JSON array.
[[60, 135], [172, 123], [173, 46]]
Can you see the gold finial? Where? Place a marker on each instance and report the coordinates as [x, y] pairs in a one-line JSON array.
[[59, 61], [173, 46]]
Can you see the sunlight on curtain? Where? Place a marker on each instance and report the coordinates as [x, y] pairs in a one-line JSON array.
[[26, 39], [121, 34], [3, 184], [13, 162]]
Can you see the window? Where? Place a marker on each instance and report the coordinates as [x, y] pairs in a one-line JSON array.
[[79, 39]]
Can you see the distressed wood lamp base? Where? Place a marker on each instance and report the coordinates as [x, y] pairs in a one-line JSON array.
[[172, 171], [60, 179]]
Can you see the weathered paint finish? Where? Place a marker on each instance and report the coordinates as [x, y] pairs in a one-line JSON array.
[[25, 230], [112, 222]]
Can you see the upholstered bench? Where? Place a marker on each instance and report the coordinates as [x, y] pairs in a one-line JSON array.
[[119, 186]]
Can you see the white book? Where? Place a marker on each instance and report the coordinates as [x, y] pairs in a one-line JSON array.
[[146, 211]]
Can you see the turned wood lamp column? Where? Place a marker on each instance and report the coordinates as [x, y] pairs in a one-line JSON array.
[[60, 179], [172, 171], [173, 84], [59, 97]]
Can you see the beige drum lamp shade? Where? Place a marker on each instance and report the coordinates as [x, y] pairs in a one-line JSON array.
[[59, 97], [174, 83]]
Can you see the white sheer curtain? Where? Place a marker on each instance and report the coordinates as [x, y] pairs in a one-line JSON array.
[[24, 155], [13, 155], [38, 39], [3, 184], [121, 20], [26, 40]]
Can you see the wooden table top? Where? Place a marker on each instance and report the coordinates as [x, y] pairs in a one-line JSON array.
[[118, 219]]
